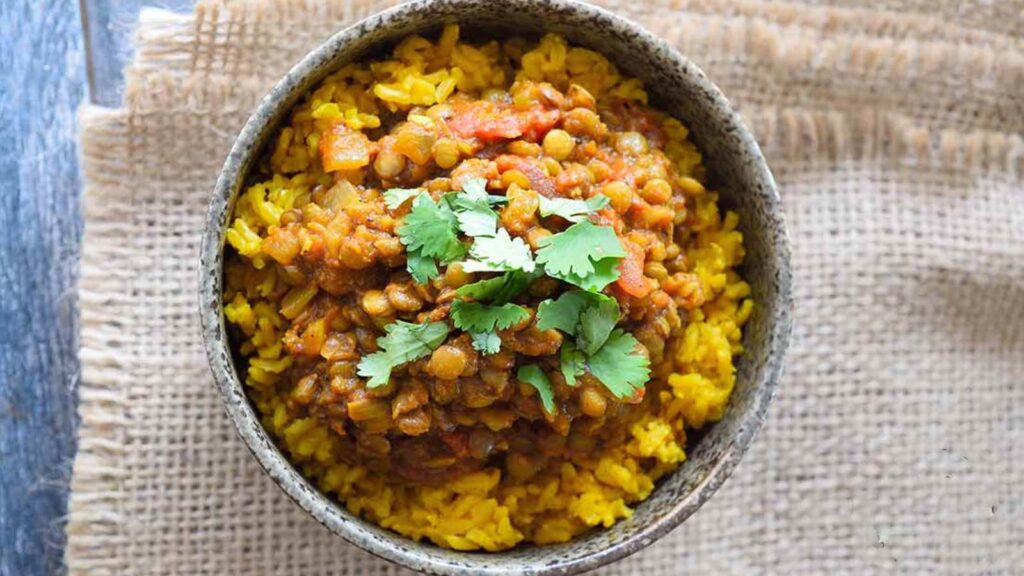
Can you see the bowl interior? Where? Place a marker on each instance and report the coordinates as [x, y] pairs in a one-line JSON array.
[[736, 169]]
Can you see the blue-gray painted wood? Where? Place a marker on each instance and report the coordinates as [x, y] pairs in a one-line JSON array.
[[108, 32], [42, 82]]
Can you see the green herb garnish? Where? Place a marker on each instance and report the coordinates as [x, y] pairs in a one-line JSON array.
[[572, 361], [571, 210], [473, 209], [429, 232], [584, 254], [596, 324], [477, 317], [500, 253], [421, 267], [534, 376], [395, 197], [499, 289], [591, 319], [486, 342], [403, 342], [619, 365], [588, 316]]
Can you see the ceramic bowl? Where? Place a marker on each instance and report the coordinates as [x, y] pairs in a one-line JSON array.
[[736, 168]]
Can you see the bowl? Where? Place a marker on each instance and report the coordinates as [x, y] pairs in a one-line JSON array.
[[736, 168]]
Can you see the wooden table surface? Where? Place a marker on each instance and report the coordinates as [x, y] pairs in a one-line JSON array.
[[54, 55]]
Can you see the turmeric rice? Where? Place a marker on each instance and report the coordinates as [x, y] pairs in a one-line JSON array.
[[480, 291]]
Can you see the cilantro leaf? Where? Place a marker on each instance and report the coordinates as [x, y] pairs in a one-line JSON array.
[[605, 272], [377, 367], [476, 317], [619, 365], [430, 230], [475, 188], [534, 376], [403, 342], [486, 289], [474, 213], [475, 219], [571, 210], [563, 313], [571, 255], [422, 268], [596, 323], [395, 197], [499, 254], [472, 208], [499, 289], [486, 342], [572, 362], [587, 315]]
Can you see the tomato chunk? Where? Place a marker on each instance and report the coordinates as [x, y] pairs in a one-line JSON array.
[[537, 122], [631, 271], [621, 170], [484, 121], [489, 122]]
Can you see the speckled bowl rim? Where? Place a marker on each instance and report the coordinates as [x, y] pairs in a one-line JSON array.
[[384, 543]]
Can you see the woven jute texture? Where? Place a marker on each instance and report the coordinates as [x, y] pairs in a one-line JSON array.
[[896, 444]]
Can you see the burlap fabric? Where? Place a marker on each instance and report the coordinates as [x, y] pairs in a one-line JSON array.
[[896, 443]]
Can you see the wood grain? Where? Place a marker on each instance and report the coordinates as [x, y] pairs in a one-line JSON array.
[[44, 51], [109, 25], [42, 82]]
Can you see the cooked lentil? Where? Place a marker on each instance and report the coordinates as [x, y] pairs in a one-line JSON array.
[[454, 447]]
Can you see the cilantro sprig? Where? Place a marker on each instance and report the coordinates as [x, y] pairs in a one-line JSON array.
[[499, 253], [619, 365], [585, 255], [403, 342], [486, 342], [481, 321], [571, 210], [572, 362], [477, 317], [395, 197], [421, 267], [499, 289], [493, 249], [587, 316], [564, 313], [477, 188], [429, 232], [473, 209], [611, 355], [534, 376]]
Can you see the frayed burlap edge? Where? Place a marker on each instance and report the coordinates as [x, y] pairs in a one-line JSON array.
[[166, 78]]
